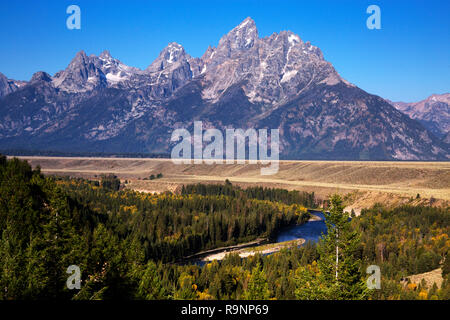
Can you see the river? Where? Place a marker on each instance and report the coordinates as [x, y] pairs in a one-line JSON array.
[[310, 231]]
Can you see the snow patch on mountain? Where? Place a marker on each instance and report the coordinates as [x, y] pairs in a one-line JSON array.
[[288, 75]]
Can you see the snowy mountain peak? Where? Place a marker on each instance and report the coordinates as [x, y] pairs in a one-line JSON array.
[[86, 73], [171, 54], [175, 51], [293, 39], [242, 37], [278, 81], [105, 55], [114, 70], [247, 23]]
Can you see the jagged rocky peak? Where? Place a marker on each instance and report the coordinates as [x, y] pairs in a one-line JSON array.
[[208, 55], [172, 69], [288, 37], [445, 97], [279, 81], [291, 44], [206, 59], [6, 86], [171, 54], [113, 69], [106, 59], [80, 62], [88, 72], [433, 112], [242, 37], [41, 76], [80, 59], [269, 69], [106, 55], [82, 74]]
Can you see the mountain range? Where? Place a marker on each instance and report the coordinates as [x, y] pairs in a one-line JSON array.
[[99, 104], [433, 113]]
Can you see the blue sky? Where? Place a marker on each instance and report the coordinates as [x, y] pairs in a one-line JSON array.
[[407, 60]]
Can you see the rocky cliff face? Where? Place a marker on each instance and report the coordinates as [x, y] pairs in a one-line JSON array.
[[8, 86], [99, 104]]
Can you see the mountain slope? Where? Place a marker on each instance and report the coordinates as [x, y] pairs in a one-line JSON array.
[[8, 86], [99, 104], [433, 113]]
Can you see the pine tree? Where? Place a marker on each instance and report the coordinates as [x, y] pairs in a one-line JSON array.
[[338, 275], [257, 288], [339, 265], [150, 287]]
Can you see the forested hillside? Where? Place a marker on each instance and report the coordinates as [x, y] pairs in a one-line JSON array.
[[170, 226], [129, 245]]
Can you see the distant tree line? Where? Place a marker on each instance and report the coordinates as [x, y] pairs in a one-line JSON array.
[[55, 153], [261, 193]]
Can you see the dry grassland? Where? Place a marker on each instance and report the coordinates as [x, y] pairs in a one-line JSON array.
[[365, 182]]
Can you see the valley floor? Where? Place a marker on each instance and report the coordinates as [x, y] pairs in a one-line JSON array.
[[364, 182]]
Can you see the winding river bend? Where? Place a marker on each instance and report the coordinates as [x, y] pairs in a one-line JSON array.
[[311, 230]]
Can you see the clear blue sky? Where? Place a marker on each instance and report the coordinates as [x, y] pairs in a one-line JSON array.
[[407, 60]]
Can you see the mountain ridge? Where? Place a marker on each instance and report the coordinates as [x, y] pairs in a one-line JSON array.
[[99, 104], [433, 112]]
